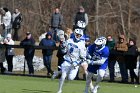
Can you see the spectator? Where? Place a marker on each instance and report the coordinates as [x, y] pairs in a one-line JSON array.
[[60, 33], [131, 62], [2, 54], [121, 47], [16, 23], [29, 51], [68, 33], [80, 19], [56, 22], [6, 21], [47, 53], [111, 60], [9, 53]]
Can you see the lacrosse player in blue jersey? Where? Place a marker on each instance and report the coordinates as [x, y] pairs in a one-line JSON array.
[[98, 61]]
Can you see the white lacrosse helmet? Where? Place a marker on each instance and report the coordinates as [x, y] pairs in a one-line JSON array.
[[81, 24], [100, 42], [104, 40], [78, 33]]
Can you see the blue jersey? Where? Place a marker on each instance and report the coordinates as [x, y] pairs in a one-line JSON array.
[[98, 55]]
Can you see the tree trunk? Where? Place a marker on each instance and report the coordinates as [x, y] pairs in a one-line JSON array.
[[122, 19], [97, 19], [129, 17]]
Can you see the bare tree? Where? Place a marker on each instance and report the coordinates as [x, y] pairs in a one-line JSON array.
[[122, 17], [97, 18], [129, 17]]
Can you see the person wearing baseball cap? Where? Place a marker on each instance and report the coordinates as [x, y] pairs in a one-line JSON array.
[[29, 51]]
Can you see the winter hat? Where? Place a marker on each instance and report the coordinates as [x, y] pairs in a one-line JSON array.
[[28, 33]]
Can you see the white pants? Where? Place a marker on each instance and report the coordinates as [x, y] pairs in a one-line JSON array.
[[100, 76], [69, 70]]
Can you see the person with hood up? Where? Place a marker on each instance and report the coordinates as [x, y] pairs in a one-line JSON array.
[[121, 47], [47, 53]]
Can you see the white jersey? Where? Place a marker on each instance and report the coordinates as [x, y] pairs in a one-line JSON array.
[[75, 51]]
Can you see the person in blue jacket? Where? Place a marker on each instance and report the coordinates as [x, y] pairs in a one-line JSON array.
[[47, 53]]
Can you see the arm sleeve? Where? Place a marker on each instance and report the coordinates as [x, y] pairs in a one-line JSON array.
[[99, 62]]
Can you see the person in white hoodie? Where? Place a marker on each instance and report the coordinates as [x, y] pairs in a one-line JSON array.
[[9, 53], [6, 21]]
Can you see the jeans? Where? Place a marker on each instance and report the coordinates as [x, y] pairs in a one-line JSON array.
[[15, 36], [6, 31], [55, 37], [47, 62]]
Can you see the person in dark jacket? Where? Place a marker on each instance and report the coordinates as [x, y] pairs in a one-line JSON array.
[[80, 19], [29, 51], [47, 53], [56, 22], [16, 23], [111, 60], [131, 60]]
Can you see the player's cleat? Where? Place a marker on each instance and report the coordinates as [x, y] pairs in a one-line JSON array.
[[95, 89], [60, 91]]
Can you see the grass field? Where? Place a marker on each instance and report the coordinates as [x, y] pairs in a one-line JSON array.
[[24, 84]]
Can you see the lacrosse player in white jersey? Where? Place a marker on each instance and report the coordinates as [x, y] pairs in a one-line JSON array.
[[98, 62], [75, 54]]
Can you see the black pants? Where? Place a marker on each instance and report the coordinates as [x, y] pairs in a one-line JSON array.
[[60, 61], [123, 71], [15, 36], [9, 59], [133, 76], [30, 64], [2, 68], [111, 66]]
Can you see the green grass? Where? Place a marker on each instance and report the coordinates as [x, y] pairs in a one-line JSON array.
[[23, 84]]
